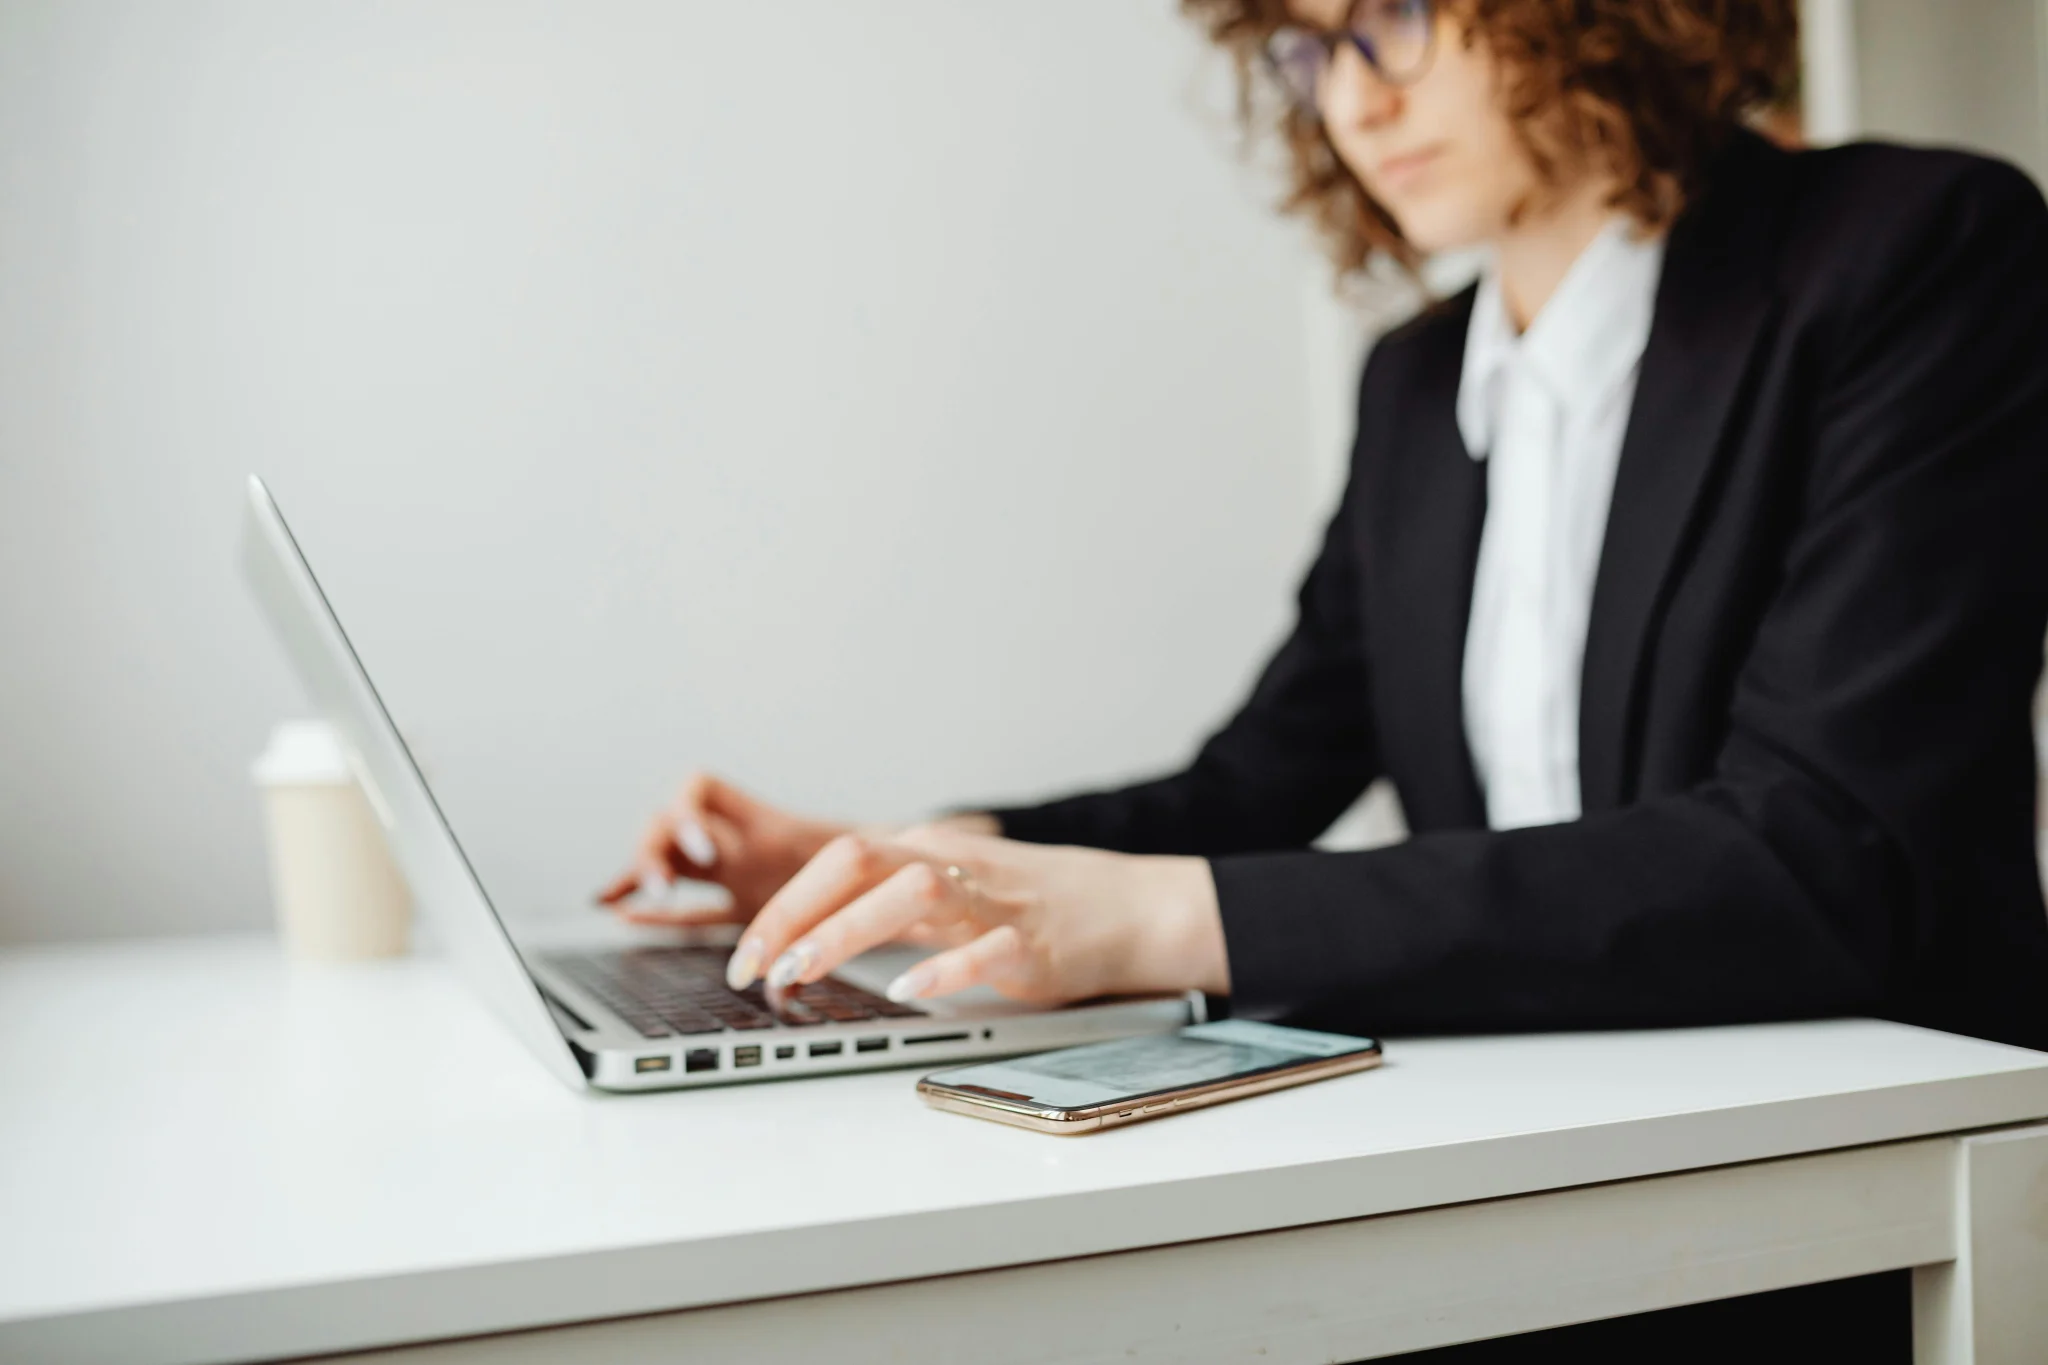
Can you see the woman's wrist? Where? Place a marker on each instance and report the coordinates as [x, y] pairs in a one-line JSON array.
[[971, 822], [959, 822], [1180, 939]]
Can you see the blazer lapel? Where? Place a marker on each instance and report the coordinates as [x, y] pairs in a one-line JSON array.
[[1427, 548], [1713, 305]]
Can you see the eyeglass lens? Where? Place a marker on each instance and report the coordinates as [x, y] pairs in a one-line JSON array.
[[1393, 35]]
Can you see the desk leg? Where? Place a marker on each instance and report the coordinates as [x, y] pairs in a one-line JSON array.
[[1989, 1306]]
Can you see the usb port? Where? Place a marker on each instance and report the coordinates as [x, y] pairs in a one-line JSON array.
[[785, 1051], [872, 1045], [653, 1063], [701, 1059], [826, 1049], [746, 1056]]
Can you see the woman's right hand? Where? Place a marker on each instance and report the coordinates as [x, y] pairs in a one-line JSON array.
[[714, 832]]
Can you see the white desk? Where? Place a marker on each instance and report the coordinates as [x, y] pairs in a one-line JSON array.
[[206, 1155]]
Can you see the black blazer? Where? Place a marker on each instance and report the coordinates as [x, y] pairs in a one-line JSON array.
[[1806, 759]]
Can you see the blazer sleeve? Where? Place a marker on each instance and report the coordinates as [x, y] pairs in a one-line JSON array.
[[1884, 685], [1296, 754]]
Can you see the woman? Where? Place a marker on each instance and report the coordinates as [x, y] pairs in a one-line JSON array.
[[1690, 585]]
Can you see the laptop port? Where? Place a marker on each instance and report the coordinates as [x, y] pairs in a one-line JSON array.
[[872, 1045], [653, 1063], [960, 1037], [785, 1051], [826, 1049], [746, 1056], [701, 1059]]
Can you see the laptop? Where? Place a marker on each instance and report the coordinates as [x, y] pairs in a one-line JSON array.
[[609, 1014]]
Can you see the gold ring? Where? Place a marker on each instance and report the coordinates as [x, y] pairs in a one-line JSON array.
[[960, 877]]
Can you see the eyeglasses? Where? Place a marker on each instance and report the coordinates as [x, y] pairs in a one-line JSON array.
[[1396, 38]]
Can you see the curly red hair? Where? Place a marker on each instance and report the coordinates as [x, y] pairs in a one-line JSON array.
[[1646, 91]]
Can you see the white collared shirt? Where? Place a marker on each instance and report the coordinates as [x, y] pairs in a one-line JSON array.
[[1546, 412]]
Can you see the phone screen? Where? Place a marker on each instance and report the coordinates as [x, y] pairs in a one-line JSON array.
[[1129, 1068]]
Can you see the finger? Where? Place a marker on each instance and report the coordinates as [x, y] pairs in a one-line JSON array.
[[654, 878], [996, 956], [842, 870], [936, 936], [692, 810], [614, 892], [712, 845], [688, 841], [710, 817], [716, 796], [651, 889], [656, 865], [682, 916], [913, 894], [659, 861], [928, 837], [695, 843]]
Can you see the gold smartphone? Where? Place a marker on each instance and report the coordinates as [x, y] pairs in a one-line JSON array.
[[1106, 1085]]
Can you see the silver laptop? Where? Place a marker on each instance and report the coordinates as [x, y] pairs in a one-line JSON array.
[[633, 1015]]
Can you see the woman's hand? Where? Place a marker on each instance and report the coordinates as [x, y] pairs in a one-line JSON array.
[[714, 832], [1039, 924]]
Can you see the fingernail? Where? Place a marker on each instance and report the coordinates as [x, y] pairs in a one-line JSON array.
[[744, 966], [791, 965], [653, 887], [909, 986], [696, 844]]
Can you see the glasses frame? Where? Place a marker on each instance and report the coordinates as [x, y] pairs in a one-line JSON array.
[[1361, 42]]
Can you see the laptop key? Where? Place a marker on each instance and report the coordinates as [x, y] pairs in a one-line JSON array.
[[665, 990], [687, 1020]]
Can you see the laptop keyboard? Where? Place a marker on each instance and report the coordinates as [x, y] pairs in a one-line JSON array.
[[668, 991]]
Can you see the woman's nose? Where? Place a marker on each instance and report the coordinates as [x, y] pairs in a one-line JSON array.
[[1354, 94]]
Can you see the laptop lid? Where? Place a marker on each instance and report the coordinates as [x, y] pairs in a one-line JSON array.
[[442, 880]]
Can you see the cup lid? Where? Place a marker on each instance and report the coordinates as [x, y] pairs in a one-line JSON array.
[[302, 753]]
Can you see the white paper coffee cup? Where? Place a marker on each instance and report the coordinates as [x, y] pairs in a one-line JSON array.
[[339, 896]]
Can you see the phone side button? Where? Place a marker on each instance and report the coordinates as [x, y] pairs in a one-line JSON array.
[[1155, 1108]]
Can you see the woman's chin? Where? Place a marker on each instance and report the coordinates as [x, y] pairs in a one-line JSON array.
[[1434, 232], [1432, 238]]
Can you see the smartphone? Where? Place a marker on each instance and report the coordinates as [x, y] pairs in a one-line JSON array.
[[1106, 1085]]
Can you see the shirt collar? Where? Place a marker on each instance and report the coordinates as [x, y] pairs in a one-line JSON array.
[[1585, 342]]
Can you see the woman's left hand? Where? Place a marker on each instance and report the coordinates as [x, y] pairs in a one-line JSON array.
[[1040, 924]]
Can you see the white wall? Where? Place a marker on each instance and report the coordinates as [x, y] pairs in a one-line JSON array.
[[1973, 73], [1827, 41], [886, 402]]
